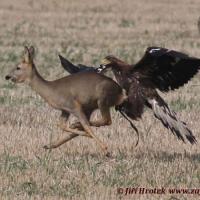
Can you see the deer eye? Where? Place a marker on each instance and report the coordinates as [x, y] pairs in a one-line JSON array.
[[18, 68]]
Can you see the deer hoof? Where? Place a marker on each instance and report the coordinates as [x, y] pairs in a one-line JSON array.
[[108, 154], [47, 147], [76, 125]]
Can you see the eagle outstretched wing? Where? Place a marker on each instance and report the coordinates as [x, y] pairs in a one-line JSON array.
[[167, 69]]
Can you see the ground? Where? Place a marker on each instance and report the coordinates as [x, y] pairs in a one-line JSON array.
[[85, 32]]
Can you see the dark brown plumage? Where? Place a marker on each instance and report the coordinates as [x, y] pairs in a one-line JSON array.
[[161, 69], [71, 68]]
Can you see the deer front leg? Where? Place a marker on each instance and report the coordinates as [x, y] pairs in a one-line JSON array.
[[63, 120], [60, 142], [74, 133], [63, 125]]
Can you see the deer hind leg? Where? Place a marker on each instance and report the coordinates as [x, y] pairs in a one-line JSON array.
[[86, 125], [63, 125], [106, 117], [77, 125], [104, 121], [64, 117]]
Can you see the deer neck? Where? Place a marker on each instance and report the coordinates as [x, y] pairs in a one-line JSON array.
[[40, 85]]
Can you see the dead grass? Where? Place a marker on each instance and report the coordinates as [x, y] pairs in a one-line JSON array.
[[86, 31]]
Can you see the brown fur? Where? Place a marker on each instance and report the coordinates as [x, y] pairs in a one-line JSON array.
[[79, 94]]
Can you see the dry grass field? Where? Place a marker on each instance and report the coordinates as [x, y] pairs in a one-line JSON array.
[[85, 31]]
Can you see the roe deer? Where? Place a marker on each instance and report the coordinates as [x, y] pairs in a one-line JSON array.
[[78, 94]]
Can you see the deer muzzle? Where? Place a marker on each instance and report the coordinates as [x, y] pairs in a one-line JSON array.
[[7, 77], [12, 78]]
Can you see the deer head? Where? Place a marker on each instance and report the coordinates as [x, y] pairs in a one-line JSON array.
[[24, 70]]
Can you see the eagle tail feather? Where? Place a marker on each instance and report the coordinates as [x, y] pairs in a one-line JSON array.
[[169, 120]]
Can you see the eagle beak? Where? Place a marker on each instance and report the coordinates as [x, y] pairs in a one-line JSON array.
[[105, 62]]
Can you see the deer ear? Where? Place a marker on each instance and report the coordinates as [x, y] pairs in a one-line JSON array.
[[28, 54], [32, 51]]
